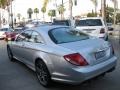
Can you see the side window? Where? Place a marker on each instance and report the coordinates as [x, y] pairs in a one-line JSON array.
[[36, 38], [25, 36], [11, 30]]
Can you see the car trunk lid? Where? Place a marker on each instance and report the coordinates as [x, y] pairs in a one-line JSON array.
[[93, 50]]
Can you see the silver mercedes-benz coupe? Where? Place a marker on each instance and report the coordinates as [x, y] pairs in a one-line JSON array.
[[61, 53]]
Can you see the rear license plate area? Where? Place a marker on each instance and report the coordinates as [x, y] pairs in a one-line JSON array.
[[100, 54]]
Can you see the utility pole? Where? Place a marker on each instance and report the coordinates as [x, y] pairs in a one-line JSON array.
[[11, 14], [115, 7], [62, 15], [70, 8], [0, 17], [103, 8]]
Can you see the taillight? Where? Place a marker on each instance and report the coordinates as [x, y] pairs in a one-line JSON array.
[[102, 30], [76, 59]]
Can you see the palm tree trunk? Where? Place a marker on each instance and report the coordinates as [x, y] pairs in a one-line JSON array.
[[43, 17], [115, 7], [63, 12], [103, 6], [95, 9], [0, 20], [36, 17], [0, 16], [51, 18], [70, 7], [61, 16]]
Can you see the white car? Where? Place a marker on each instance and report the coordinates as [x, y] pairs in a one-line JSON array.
[[94, 26]]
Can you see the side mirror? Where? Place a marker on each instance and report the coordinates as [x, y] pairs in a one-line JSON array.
[[110, 28]]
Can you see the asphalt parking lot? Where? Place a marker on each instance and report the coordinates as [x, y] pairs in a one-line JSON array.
[[16, 76]]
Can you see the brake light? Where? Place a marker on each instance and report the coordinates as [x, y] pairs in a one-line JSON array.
[[102, 30], [76, 59]]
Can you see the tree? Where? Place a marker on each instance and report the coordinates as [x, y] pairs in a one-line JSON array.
[[91, 14], [51, 13], [43, 10], [95, 2], [3, 4], [19, 16], [45, 3], [118, 18], [29, 12], [36, 11], [61, 10], [109, 14]]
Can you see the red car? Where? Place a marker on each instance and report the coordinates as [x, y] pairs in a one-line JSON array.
[[10, 36], [7, 34]]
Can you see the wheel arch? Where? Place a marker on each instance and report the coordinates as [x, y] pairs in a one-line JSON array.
[[47, 65]]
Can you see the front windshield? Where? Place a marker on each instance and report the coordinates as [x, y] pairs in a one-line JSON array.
[[66, 35], [89, 22]]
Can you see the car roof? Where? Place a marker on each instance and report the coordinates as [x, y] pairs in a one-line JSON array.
[[46, 28], [91, 18]]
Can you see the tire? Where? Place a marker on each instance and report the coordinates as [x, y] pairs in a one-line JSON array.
[[42, 73], [106, 39], [10, 55]]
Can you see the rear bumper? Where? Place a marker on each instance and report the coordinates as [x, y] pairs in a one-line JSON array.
[[81, 74], [103, 36]]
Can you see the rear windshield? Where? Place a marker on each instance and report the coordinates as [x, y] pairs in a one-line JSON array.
[[66, 23], [4, 29], [89, 22], [66, 35]]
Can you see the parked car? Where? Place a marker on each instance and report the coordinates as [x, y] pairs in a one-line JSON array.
[[63, 54], [18, 30], [7, 33], [68, 22], [35, 24], [94, 26], [110, 28]]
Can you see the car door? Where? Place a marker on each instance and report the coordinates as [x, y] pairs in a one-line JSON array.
[[32, 47], [18, 46]]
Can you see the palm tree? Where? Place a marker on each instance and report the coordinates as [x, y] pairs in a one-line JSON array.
[[19, 16], [45, 3], [30, 12], [95, 2], [61, 10], [51, 13], [36, 11], [43, 10]]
